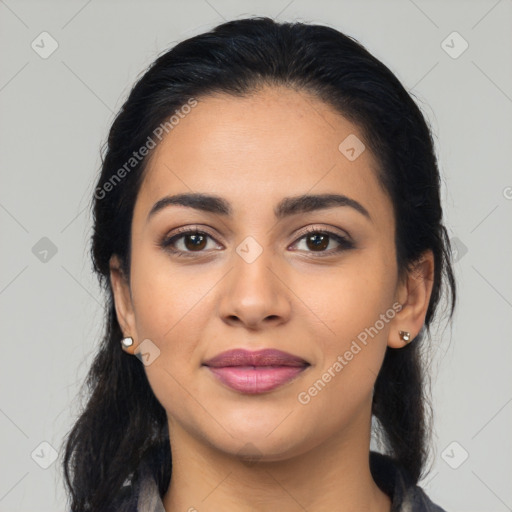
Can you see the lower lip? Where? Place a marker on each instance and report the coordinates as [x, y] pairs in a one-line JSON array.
[[250, 379]]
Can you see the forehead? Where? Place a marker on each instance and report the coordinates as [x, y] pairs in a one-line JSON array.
[[261, 147]]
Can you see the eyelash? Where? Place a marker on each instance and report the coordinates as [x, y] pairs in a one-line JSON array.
[[167, 242]]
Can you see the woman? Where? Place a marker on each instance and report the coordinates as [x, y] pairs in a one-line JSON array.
[[268, 230]]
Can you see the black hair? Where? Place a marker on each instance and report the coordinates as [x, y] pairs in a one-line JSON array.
[[122, 424]]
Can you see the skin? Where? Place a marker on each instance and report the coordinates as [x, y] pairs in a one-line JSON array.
[[254, 151]]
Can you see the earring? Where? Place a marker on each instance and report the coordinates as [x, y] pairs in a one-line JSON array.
[[405, 336], [127, 342]]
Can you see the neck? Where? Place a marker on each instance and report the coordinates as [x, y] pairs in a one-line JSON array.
[[333, 476]]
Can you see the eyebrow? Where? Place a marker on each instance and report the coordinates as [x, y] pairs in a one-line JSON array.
[[285, 208]]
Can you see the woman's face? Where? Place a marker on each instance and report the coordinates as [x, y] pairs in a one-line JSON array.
[[255, 280]]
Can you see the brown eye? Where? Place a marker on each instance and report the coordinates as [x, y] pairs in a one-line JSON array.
[[197, 241], [318, 241], [186, 242]]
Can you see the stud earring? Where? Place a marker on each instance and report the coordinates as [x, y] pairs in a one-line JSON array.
[[405, 336], [127, 342]]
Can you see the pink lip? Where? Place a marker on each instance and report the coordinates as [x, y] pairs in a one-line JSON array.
[[255, 372]]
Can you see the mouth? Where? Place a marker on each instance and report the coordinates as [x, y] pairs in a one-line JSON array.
[[255, 372]]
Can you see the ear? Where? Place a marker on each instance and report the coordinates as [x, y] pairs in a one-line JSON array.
[[123, 302], [413, 293]]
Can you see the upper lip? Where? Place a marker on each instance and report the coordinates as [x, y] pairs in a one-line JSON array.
[[265, 357]]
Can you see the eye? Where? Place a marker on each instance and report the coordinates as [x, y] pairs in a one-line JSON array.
[[186, 242], [317, 240]]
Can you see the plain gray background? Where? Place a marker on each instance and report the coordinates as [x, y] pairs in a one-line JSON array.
[[55, 113]]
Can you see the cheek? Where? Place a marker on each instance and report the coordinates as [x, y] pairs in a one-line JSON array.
[[343, 382], [165, 295], [171, 309], [354, 306], [349, 298]]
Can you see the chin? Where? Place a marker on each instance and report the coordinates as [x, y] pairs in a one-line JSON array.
[[254, 444]]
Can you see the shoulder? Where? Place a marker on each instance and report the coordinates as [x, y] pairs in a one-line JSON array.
[[394, 481]]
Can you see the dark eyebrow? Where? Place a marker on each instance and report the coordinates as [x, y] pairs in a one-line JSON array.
[[286, 207]]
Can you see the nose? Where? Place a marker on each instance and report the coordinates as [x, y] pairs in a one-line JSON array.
[[254, 294]]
